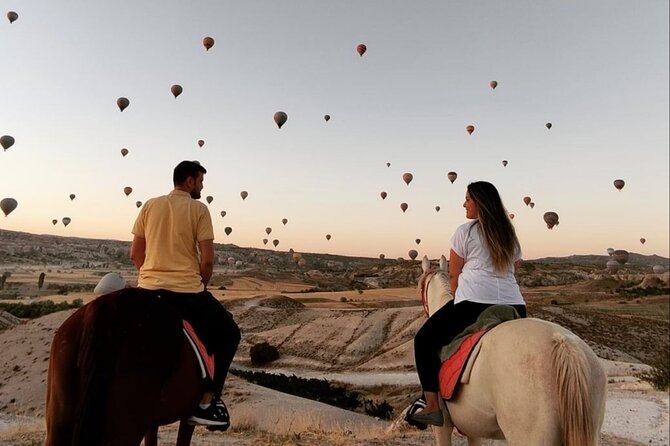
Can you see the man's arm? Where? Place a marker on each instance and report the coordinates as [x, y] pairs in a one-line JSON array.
[[206, 260], [138, 251]]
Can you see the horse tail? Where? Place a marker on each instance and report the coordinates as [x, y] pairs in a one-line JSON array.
[[574, 393], [97, 356]]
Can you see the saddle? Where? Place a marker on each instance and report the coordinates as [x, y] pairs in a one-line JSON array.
[[459, 356], [205, 360]]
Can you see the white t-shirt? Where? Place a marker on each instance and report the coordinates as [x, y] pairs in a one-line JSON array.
[[478, 281]]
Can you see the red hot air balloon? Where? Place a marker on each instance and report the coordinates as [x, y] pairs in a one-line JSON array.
[[122, 103], [407, 178], [551, 219], [470, 129], [404, 207], [208, 42], [280, 118], [361, 49], [526, 200], [383, 195], [176, 90], [493, 84], [619, 184], [511, 216]]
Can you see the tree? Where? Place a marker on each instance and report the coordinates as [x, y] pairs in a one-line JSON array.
[[40, 281]]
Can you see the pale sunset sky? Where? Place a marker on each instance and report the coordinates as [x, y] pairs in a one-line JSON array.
[[597, 70]]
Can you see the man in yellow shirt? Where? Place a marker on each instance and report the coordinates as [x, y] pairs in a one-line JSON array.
[[173, 250]]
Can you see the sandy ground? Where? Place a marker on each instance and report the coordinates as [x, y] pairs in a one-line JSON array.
[[635, 414]]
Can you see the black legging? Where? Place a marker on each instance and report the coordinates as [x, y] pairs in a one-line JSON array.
[[439, 330], [214, 325]]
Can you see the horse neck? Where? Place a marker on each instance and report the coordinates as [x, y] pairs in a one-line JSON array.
[[435, 294]]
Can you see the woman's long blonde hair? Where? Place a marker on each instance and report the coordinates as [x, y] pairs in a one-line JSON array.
[[495, 224]]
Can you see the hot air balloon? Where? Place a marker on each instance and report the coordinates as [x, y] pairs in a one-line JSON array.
[[127, 190], [109, 283], [361, 49], [658, 269], [643, 240], [403, 206], [437, 209], [72, 196], [382, 256], [208, 42], [122, 103], [407, 178], [326, 117], [265, 241], [613, 266], [176, 90], [268, 230], [531, 204], [621, 256], [66, 221], [302, 262], [418, 241], [227, 230], [610, 251], [619, 184], [138, 204], [452, 176], [209, 199], [551, 219], [327, 236], [280, 118], [526, 200], [201, 143], [124, 152], [383, 195], [548, 125], [54, 222], [244, 194], [8, 205], [12, 16], [275, 242], [412, 253], [504, 162], [284, 221], [6, 141], [493, 84], [296, 256], [223, 214], [388, 164], [511, 216], [470, 129]]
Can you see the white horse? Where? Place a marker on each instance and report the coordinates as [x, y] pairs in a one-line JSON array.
[[532, 382]]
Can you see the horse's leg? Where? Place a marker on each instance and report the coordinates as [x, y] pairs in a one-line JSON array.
[[185, 433], [151, 437], [443, 433]]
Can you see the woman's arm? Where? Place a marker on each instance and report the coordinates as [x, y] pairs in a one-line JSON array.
[[455, 267]]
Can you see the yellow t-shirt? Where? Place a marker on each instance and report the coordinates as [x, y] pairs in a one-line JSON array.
[[172, 226]]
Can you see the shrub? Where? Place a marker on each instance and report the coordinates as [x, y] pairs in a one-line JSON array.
[[263, 353], [38, 309], [659, 374]]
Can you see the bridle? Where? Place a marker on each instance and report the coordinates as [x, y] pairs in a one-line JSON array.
[[424, 280]]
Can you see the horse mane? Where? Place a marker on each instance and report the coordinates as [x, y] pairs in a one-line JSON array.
[[443, 278]]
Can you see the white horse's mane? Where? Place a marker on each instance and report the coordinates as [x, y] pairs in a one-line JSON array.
[[445, 289]]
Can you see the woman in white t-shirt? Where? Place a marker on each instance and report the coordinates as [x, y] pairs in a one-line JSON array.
[[484, 255]]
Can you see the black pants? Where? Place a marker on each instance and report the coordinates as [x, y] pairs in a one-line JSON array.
[[439, 330], [215, 327]]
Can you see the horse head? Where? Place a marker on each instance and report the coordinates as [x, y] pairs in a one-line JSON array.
[[434, 286]]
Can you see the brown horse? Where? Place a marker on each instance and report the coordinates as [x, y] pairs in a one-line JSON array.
[[119, 367]]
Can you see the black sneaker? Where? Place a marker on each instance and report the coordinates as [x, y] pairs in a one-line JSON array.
[[418, 405], [215, 417]]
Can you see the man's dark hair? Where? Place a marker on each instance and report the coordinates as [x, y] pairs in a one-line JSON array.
[[186, 169]]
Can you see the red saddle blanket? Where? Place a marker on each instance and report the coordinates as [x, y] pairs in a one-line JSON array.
[[205, 360], [452, 368]]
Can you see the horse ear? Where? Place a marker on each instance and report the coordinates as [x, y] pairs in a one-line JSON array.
[[425, 264], [444, 265]]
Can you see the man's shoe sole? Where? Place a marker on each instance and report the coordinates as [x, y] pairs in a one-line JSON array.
[[205, 422]]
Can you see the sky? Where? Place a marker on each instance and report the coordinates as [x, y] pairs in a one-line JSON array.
[[597, 70]]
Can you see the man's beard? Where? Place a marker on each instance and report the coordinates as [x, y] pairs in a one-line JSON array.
[[195, 194]]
